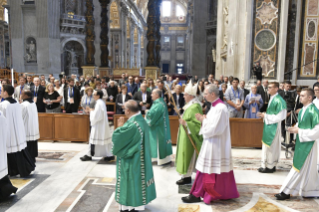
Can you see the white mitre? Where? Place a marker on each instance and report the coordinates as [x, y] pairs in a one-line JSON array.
[[190, 89]]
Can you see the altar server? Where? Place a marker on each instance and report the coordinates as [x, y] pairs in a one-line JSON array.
[[186, 154], [31, 122], [135, 186], [214, 178], [271, 146], [160, 133], [6, 187], [101, 136], [303, 178], [19, 159]]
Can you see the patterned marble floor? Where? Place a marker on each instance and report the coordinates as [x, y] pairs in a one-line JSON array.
[[62, 182]]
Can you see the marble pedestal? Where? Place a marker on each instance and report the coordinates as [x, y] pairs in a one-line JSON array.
[[88, 70], [152, 72], [104, 71]]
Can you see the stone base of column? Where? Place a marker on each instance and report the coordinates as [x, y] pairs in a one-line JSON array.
[[152, 72], [88, 70], [104, 71]]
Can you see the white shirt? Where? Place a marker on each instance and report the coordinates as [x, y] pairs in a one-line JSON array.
[[123, 98], [316, 102]]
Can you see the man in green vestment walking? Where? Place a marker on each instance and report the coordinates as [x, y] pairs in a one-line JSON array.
[[186, 154], [271, 146], [160, 133], [303, 178], [135, 186]]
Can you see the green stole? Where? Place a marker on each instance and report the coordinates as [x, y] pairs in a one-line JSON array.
[[277, 104], [309, 121]]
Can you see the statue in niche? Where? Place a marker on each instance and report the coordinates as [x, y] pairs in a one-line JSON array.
[[225, 12], [31, 50], [72, 58]]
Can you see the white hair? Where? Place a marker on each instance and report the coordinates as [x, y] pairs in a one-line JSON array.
[[211, 88], [36, 78]]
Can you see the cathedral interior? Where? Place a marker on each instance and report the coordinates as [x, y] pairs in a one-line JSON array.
[[148, 38]]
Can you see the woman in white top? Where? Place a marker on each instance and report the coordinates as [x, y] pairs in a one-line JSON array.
[[59, 89]]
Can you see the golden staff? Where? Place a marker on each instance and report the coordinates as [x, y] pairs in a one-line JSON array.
[[172, 100]]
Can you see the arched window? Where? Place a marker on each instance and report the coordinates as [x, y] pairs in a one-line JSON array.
[[167, 8], [179, 11]]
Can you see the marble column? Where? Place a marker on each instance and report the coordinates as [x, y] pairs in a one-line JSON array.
[[131, 49], [151, 33], [90, 34], [104, 33], [158, 33], [138, 52], [282, 41], [297, 41], [123, 36]]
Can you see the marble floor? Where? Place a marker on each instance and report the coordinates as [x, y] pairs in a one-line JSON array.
[[61, 182]]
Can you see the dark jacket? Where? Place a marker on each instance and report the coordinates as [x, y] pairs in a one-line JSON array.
[[112, 91], [119, 103], [40, 95], [138, 97], [289, 97], [72, 108], [181, 102], [258, 72], [132, 88]]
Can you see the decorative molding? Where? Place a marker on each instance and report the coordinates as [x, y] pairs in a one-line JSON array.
[[267, 12]]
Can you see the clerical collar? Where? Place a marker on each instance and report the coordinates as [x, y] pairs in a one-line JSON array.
[[136, 114], [273, 95], [29, 100], [11, 100], [193, 101]]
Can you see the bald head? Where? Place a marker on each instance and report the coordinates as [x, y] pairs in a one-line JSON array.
[[131, 108], [156, 94]]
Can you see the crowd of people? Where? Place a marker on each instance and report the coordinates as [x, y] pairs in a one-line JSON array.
[[204, 107]]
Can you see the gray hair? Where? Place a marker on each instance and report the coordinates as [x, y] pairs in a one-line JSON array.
[[158, 92], [211, 88], [254, 85], [36, 78], [132, 106]]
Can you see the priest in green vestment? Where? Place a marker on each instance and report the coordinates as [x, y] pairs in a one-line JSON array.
[[186, 154], [135, 186], [303, 178], [275, 114], [160, 133]]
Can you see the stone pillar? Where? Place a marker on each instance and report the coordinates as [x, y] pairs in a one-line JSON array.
[[297, 40], [282, 40], [172, 67], [90, 34], [123, 39], [97, 30], [158, 33], [104, 34], [153, 30], [131, 62], [138, 52]]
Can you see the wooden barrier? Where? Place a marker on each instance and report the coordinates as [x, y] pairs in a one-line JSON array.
[[64, 127], [244, 132]]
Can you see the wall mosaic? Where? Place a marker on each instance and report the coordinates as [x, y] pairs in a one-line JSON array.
[[266, 32]]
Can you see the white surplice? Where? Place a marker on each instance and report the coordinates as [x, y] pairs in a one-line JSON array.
[[306, 181], [16, 139], [30, 120], [101, 134], [316, 103], [3, 143], [215, 154], [271, 155]]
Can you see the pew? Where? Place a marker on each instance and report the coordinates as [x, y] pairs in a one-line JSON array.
[[64, 127], [244, 132]]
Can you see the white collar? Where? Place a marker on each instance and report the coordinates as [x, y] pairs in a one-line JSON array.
[[193, 101], [273, 95], [305, 107], [135, 115]]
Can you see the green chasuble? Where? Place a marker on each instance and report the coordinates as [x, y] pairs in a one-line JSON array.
[[185, 149], [277, 104], [135, 182], [160, 132], [309, 120]]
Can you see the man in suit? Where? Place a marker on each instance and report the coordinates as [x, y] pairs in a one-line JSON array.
[[18, 90], [29, 81], [143, 98], [290, 98], [160, 86], [258, 71], [131, 87], [137, 82], [179, 100], [38, 94], [72, 97], [121, 99], [262, 90]]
